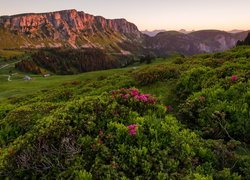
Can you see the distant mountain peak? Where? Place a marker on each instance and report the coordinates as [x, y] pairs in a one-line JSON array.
[[153, 33], [235, 31]]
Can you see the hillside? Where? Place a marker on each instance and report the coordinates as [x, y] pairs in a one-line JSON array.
[[206, 41], [245, 41], [152, 33], [178, 118]]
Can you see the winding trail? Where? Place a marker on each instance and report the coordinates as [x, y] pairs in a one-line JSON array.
[[6, 65], [9, 78]]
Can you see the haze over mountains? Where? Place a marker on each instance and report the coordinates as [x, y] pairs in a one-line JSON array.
[[155, 32], [73, 29]]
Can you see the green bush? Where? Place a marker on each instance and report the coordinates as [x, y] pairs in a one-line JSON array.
[[94, 133], [153, 74], [194, 80], [220, 113]]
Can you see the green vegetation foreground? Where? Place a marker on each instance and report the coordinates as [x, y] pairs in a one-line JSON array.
[[186, 118]]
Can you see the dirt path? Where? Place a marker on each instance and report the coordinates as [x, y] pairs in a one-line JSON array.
[[6, 65], [9, 78]]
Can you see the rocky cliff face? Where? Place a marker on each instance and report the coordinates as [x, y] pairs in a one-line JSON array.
[[68, 27]]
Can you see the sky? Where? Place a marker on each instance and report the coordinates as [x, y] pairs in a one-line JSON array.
[[149, 14]]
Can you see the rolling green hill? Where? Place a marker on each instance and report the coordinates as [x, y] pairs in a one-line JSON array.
[[177, 118]]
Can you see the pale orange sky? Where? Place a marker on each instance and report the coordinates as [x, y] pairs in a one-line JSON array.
[[150, 14]]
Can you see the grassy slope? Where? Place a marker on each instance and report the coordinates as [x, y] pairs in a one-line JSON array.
[[18, 87], [162, 89], [10, 40], [10, 53]]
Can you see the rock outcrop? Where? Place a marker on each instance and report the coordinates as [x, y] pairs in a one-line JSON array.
[[68, 27]]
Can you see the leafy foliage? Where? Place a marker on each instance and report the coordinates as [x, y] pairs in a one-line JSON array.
[[192, 122], [151, 75]]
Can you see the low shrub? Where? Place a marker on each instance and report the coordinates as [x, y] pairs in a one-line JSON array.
[[153, 74]]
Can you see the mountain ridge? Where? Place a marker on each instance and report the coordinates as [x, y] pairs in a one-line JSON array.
[[68, 28], [77, 29], [203, 41]]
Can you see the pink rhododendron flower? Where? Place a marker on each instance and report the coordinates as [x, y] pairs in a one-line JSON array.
[[137, 97], [132, 132], [126, 96], [134, 92], [143, 98], [132, 129], [169, 108], [234, 78], [152, 101], [132, 126]]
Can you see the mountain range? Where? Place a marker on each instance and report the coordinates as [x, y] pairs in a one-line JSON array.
[[155, 32], [74, 29], [205, 41]]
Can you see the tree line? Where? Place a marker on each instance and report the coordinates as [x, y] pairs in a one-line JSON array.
[[69, 61]]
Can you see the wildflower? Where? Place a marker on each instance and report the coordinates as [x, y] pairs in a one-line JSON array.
[[234, 78], [132, 132], [132, 126], [169, 108], [152, 101], [137, 97], [132, 129], [134, 92], [126, 96], [143, 98]]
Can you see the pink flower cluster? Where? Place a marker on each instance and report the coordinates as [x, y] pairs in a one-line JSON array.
[[132, 129], [134, 93], [169, 108], [234, 78]]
